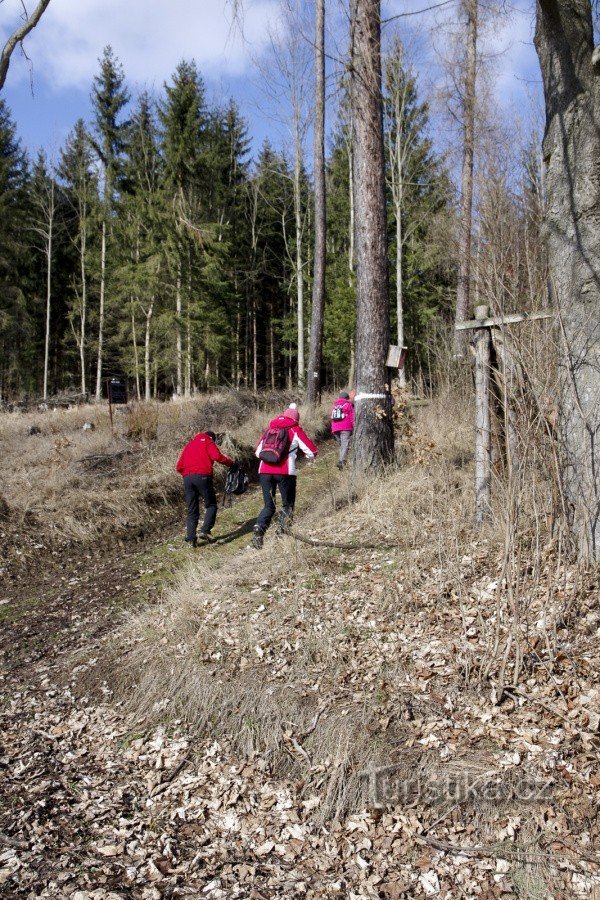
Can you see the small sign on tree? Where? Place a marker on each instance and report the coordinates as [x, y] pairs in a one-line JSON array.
[[395, 357]]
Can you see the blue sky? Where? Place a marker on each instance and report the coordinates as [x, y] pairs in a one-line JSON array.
[[151, 36]]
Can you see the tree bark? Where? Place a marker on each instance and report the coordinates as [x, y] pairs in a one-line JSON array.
[[299, 262], [101, 312], [82, 334], [466, 182], [49, 236], [147, 385], [178, 341], [483, 431], [373, 440], [313, 394], [564, 43], [136, 358]]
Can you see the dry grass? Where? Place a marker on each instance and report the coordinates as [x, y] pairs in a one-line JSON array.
[[77, 484], [288, 652], [229, 614]]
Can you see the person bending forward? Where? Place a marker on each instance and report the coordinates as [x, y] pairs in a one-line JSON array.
[[196, 465]]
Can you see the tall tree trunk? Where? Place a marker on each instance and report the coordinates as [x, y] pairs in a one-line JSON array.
[[147, 385], [136, 358], [101, 312], [399, 282], [351, 255], [178, 342], [320, 226], [238, 368], [466, 180], [254, 348], [272, 351], [299, 255], [571, 75], [373, 442], [48, 284], [82, 335], [188, 355]]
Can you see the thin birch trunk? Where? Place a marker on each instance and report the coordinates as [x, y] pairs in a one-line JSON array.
[[136, 360], [83, 310], [48, 284], [147, 374], [299, 260], [178, 345], [101, 312]]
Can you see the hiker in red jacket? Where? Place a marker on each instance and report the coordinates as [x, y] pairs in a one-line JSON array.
[[196, 466], [277, 451], [342, 424]]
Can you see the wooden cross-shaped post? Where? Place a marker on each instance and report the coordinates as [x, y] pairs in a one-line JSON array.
[[482, 324]]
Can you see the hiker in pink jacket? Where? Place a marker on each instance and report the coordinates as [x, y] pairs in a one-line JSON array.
[[342, 424], [277, 451]]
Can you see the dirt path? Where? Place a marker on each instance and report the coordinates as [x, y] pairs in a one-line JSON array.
[[71, 764]]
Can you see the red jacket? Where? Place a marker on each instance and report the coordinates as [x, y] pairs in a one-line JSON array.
[[198, 456], [298, 441]]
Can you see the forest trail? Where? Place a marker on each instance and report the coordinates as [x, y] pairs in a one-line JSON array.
[[56, 602], [332, 661], [63, 748]]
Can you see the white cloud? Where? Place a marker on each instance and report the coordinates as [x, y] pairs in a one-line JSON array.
[[150, 37]]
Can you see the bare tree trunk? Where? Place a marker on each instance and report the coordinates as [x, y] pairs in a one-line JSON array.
[[136, 358], [299, 263], [254, 348], [571, 75], [101, 312], [272, 351], [373, 443], [238, 370], [82, 252], [351, 198], [178, 342], [466, 181], [483, 433], [49, 235], [188, 356], [313, 394], [149, 312]]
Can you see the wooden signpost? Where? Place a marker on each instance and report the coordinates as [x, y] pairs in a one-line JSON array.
[[482, 324]]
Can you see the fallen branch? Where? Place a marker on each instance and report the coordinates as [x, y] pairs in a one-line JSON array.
[[314, 542]]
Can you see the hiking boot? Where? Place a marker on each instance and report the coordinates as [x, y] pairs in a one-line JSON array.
[[257, 540], [191, 541], [340, 465], [206, 537], [284, 524]]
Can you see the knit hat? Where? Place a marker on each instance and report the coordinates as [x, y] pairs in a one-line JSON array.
[[292, 412], [344, 395]]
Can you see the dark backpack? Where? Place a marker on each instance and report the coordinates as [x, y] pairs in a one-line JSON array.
[[275, 445], [337, 414], [236, 482]]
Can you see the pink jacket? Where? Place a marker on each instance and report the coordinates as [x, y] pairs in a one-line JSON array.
[[298, 441], [347, 423]]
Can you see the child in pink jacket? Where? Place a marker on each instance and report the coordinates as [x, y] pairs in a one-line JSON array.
[[342, 424]]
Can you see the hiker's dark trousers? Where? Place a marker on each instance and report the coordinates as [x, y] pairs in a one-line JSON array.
[[196, 486], [287, 489]]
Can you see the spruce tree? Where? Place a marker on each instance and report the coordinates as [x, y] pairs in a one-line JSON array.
[[15, 317], [80, 185], [109, 98]]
